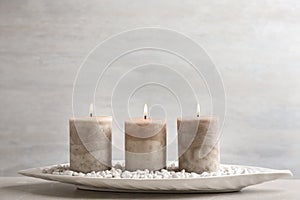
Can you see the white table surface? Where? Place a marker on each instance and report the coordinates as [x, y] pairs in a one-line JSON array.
[[31, 189]]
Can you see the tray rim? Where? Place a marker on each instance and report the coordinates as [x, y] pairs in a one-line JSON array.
[[232, 182], [284, 172]]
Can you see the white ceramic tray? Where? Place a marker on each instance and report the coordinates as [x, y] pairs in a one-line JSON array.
[[208, 184]]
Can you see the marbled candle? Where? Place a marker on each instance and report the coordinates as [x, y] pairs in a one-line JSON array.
[[198, 145], [145, 144], [90, 143]]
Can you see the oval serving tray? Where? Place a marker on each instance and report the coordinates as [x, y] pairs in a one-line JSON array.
[[210, 184]]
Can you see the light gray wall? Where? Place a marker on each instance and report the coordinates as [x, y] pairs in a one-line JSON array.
[[255, 44]]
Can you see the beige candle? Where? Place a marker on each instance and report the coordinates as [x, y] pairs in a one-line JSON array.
[[90, 143], [145, 143], [198, 145]]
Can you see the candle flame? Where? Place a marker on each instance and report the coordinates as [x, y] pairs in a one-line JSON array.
[[198, 110], [145, 111], [91, 109]]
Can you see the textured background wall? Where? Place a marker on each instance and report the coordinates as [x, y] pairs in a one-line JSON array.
[[255, 44]]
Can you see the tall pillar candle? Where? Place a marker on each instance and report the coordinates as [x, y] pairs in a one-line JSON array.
[[198, 145], [145, 144], [90, 143]]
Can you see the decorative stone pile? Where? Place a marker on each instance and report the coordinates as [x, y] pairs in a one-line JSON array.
[[118, 171]]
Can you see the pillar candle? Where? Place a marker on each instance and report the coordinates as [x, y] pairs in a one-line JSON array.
[[90, 143], [145, 143], [198, 145]]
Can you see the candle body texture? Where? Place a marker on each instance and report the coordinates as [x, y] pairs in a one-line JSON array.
[[198, 144], [90, 143], [145, 144]]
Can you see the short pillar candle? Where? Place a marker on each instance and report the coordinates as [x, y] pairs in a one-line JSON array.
[[145, 143], [198, 144], [90, 143]]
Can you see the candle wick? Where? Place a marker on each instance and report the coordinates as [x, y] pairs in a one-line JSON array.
[[145, 116], [198, 110], [91, 110]]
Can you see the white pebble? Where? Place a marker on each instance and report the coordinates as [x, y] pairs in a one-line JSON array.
[[180, 175], [75, 174], [81, 174], [218, 173], [55, 173], [142, 176], [166, 176], [88, 174], [186, 175], [175, 176], [102, 173], [150, 176], [205, 174], [159, 177], [126, 174], [68, 172], [194, 175], [116, 174], [108, 176], [136, 176]]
